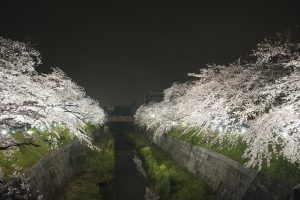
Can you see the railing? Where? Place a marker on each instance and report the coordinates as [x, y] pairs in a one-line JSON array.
[[120, 119]]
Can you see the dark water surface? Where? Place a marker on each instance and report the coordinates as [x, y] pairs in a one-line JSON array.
[[128, 184]]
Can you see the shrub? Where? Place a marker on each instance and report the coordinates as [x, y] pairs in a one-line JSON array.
[[93, 167], [171, 181], [146, 151]]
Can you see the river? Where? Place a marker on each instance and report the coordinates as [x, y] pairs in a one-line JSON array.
[[130, 180]]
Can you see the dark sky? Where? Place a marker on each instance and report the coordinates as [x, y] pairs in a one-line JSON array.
[[118, 51]]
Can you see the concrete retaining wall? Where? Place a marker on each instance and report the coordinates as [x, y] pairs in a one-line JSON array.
[[51, 173], [228, 177]]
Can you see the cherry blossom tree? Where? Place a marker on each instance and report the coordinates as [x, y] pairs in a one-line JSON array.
[[29, 99], [256, 99], [40, 100]]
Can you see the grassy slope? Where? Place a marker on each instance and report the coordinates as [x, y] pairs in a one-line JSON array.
[[233, 153], [171, 181], [280, 169], [94, 166], [27, 155]]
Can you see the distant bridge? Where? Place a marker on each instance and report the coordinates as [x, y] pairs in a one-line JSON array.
[[120, 118]]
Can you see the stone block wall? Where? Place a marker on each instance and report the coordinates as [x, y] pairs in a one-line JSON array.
[[228, 177], [231, 179], [52, 172]]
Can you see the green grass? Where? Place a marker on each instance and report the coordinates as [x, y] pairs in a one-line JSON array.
[[234, 153], [26, 155], [279, 169], [283, 171], [170, 180], [90, 129], [94, 167]]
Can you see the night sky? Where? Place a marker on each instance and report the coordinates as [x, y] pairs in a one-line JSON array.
[[118, 51]]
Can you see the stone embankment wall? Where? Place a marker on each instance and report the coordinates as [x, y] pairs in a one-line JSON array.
[[231, 179], [228, 177], [52, 172]]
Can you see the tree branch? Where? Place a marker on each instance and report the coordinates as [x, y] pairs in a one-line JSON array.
[[18, 144]]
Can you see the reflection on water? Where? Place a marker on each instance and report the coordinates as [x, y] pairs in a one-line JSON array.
[[139, 165]]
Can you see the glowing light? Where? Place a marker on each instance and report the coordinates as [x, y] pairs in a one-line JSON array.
[[4, 132], [284, 134], [243, 130], [30, 132], [174, 123], [183, 124]]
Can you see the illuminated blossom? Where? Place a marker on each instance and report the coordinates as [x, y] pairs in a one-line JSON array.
[[31, 99], [257, 100]]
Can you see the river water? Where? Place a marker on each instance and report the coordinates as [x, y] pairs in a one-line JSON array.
[[130, 181]]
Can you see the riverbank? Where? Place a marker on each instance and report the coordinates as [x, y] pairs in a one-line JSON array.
[[95, 169], [275, 181], [36, 145], [171, 181]]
